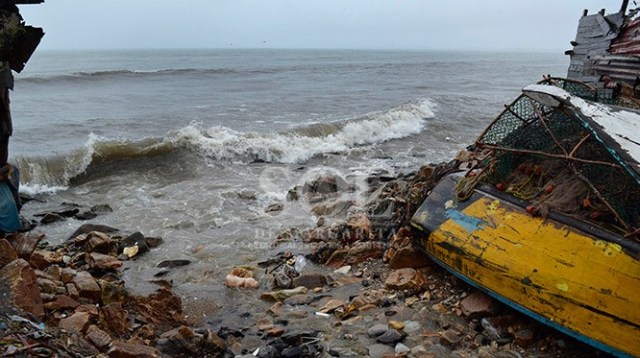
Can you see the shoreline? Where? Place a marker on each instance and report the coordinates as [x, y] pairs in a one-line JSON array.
[[356, 275]]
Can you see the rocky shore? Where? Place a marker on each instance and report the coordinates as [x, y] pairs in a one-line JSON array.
[[352, 286]]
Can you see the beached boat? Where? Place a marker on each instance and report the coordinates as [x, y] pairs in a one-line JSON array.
[[546, 219], [546, 215]]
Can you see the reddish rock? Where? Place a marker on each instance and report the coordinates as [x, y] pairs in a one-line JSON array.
[[409, 257], [406, 279], [78, 322], [102, 262], [67, 274], [115, 318], [92, 310], [99, 242], [450, 338], [25, 243], [179, 341], [61, 302], [478, 304], [359, 228], [7, 252], [72, 291], [48, 286], [23, 288], [112, 292], [358, 253], [275, 331], [87, 286], [98, 338], [42, 259], [132, 350], [162, 308], [54, 271]]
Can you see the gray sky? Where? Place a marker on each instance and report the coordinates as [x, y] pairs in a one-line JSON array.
[[371, 24]]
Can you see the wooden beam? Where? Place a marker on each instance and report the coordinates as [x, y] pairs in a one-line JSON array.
[[623, 8]]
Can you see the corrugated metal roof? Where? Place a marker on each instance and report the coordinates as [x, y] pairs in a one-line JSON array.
[[628, 42]]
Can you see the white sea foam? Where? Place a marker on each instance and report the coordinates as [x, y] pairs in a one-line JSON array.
[[297, 146]]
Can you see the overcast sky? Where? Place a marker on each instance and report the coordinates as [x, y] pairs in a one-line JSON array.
[[370, 24]]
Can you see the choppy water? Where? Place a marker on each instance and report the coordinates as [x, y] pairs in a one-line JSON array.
[[192, 145]]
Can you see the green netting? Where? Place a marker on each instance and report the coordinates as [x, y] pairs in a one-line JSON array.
[[527, 160]]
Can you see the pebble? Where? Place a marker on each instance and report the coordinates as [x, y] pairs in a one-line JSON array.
[[379, 350], [343, 270], [401, 348], [390, 337], [377, 330]]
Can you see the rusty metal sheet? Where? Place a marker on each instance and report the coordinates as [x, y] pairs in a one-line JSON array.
[[628, 42]]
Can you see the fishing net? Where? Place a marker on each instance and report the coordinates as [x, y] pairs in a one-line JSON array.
[[547, 157], [609, 96]]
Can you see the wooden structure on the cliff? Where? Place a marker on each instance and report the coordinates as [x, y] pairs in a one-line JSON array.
[[606, 54]]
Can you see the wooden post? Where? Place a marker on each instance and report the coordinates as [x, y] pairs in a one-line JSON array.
[[623, 8], [585, 12]]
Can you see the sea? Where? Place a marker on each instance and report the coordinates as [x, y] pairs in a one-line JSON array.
[[193, 145]]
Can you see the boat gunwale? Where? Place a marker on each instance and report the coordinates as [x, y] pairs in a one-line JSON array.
[[592, 230]]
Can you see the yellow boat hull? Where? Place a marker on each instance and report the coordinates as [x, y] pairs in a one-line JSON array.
[[583, 283]]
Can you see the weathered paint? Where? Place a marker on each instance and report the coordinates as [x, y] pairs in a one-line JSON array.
[[586, 285]]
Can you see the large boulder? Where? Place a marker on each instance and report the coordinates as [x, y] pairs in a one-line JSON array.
[[24, 291]]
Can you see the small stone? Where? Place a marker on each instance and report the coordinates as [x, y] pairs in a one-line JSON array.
[[7, 252], [132, 350], [450, 338], [331, 305], [275, 331], [397, 325], [477, 305], [101, 209], [54, 271], [98, 337], [61, 302], [380, 350], [358, 253], [47, 286], [99, 242], [78, 322], [406, 279], [391, 336], [87, 228], [297, 300], [115, 318], [86, 215], [411, 327], [355, 320], [402, 349], [283, 294], [409, 257], [102, 262], [67, 274], [377, 330], [343, 270], [274, 208], [112, 292], [311, 280], [72, 291], [276, 309], [173, 263], [50, 218], [87, 286]]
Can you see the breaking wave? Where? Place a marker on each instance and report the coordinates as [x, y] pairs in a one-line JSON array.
[[50, 174]]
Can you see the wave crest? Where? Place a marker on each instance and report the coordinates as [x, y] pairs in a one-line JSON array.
[[222, 143]]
